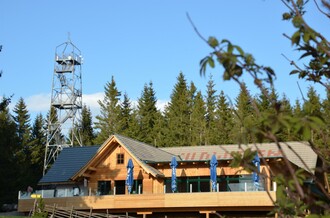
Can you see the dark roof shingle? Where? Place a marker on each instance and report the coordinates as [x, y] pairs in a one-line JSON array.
[[146, 153], [69, 161]]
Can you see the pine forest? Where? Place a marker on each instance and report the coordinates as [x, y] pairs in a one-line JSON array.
[[190, 118]]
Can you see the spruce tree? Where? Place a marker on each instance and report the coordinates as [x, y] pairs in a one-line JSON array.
[[312, 107], [178, 114], [326, 118], [53, 129], [287, 134], [198, 123], [9, 170], [211, 101], [266, 100], [244, 118], [192, 95], [313, 104], [87, 131], [297, 110], [126, 117], [23, 152], [224, 122], [107, 121], [147, 115], [37, 149], [23, 128], [159, 129], [297, 113]]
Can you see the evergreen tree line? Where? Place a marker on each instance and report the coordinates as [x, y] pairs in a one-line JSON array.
[[189, 119], [193, 119]]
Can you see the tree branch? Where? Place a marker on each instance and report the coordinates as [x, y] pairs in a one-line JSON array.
[[318, 7], [195, 29]]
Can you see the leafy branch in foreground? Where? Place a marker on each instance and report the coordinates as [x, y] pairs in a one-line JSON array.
[[315, 48], [292, 198]]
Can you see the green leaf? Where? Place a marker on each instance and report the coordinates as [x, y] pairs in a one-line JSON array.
[[202, 64], [226, 76], [316, 122], [306, 54], [210, 62], [225, 41], [313, 216], [249, 60], [213, 42], [306, 36], [295, 38], [238, 70], [297, 21], [286, 16], [230, 48], [239, 49], [306, 134], [294, 72]]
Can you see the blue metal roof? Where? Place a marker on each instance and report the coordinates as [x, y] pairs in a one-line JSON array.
[[69, 161]]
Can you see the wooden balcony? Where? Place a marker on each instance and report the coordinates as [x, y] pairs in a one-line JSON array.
[[174, 202]]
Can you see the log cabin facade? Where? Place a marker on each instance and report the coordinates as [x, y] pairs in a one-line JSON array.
[[94, 177]]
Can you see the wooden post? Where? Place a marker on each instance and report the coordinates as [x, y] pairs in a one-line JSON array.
[[54, 210], [144, 214], [71, 211], [207, 213]]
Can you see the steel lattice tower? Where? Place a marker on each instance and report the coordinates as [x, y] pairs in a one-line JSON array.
[[64, 118]]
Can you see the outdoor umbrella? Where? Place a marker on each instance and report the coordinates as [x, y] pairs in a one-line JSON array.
[[255, 176], [213, 172], [129, 178], [173, 165]]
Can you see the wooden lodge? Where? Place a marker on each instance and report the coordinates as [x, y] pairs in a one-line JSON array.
[[94, 177]]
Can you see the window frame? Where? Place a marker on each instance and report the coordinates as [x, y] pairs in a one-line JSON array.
[[120, 158]]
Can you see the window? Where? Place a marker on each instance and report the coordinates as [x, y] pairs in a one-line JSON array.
[[104, 187], [120, 158], [120, 187]]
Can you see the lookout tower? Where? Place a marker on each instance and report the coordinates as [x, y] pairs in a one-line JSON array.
[[64, 118]]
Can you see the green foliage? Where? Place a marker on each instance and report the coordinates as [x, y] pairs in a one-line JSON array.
[[211, 130], [4, 103], [243, 159], [177, 115], [313, 46], [107, 121], [87, 132], [37, 150], [197, 120], [126, 118], [147, 115], [39, 210], [288, 201], [270, 119], [8, 147]]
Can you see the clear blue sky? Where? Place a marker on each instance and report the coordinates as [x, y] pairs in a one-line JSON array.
[[138, 42]]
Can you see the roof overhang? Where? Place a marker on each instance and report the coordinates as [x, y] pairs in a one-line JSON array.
[[104, 149]]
